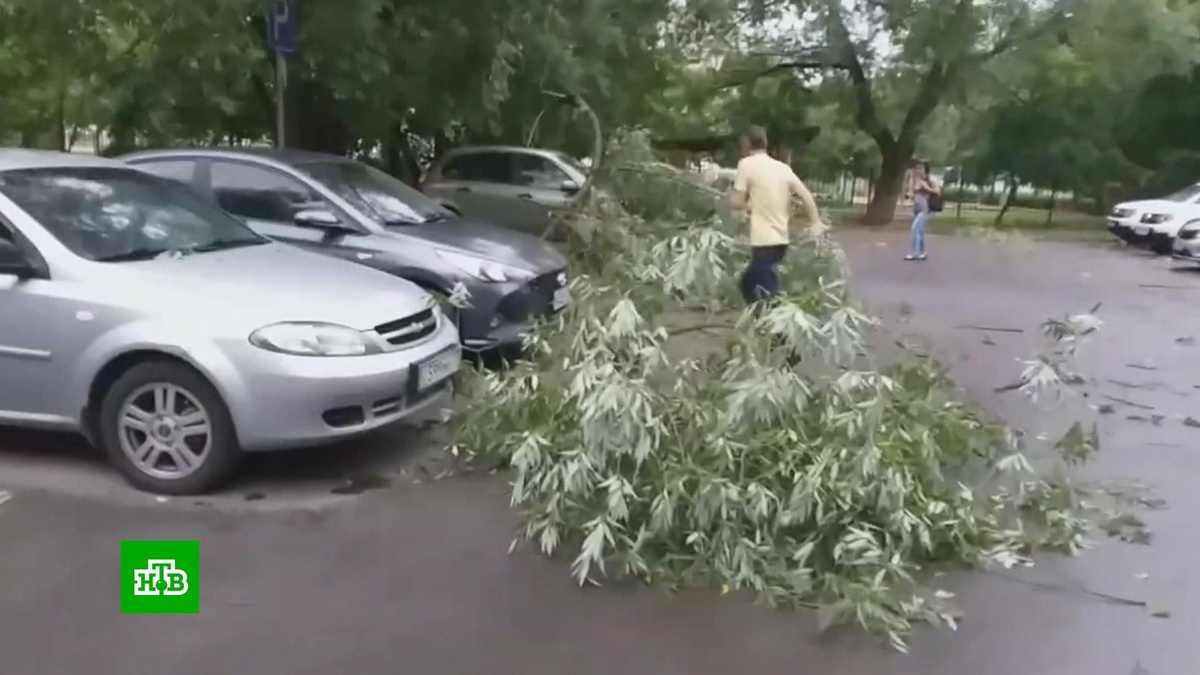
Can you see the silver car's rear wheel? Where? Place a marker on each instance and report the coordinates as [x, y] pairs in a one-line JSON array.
[[164, 431], [166, 428]]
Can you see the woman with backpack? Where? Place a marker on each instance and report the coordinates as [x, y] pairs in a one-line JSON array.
[[927, 198]]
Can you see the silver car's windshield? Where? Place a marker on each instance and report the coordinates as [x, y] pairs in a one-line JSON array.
[[387, 200], [571, 162], [1186, 194], [113, 214]]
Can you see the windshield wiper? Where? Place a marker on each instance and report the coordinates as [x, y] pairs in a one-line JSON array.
[[151, 254], [225, 244], [435, 217], [136, 254]]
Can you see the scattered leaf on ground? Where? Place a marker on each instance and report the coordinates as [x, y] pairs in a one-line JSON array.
[[1128, 528]]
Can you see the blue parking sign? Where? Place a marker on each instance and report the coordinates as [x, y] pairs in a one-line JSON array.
[[282, 26]]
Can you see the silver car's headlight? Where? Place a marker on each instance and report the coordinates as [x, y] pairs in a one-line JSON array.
[[480, 269], [306, 338], [1156, 218]]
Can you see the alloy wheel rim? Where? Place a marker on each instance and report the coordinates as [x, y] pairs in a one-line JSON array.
[[164, 431]]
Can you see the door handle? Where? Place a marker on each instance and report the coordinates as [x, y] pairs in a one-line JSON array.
[[525, 195], [463, 189]]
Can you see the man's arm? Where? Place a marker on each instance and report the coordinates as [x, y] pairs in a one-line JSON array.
[[810, 204], [740, 198]]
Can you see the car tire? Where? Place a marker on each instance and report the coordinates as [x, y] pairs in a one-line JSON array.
[[191, 398]]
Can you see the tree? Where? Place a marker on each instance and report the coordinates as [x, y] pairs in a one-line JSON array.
[[900, 60], [1055, 114], [657, 436]]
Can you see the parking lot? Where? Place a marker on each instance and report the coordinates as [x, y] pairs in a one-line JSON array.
[[355, 559]]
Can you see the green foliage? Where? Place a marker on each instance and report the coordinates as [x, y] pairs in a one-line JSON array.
[[778, 456]]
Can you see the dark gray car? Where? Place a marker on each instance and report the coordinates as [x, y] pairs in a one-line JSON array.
[[519, 188], [350, 210]]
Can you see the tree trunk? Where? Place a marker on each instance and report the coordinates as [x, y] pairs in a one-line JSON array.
[[1009, 197], [958, 207], [888, 186], [60, 131], [1050, 208], [312, 121]]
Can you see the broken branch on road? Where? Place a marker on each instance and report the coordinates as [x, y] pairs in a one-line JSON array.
[[1127, 402], [1107, 597], [992, 329]]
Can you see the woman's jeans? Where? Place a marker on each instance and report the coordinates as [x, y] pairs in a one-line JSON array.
[[920, 218], [761, 278]]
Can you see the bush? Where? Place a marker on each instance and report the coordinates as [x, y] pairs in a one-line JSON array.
[[972, 195], [780, 456]]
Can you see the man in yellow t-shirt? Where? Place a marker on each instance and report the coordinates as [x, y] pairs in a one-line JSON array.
[[765, 186]]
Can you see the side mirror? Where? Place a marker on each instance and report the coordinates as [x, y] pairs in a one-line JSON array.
[[452, 208], [14, 262], [569, 186], [318, 218]]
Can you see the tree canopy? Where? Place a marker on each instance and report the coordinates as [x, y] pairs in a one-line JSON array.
[[858, 86]]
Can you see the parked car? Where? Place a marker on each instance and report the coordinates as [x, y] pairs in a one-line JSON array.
[[1186, 247], [1153, 223], [519, 188], [347, 209], [174, 337]]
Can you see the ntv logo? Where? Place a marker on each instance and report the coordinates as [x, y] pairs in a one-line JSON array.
[[160, 577]]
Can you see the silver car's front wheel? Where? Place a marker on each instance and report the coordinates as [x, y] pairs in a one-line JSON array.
[[166, 428], [164, 431]]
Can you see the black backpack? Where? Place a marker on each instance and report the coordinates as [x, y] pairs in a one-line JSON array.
[[936, 203]]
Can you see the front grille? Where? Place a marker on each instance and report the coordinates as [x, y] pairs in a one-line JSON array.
[[409, 329], [534, 299]]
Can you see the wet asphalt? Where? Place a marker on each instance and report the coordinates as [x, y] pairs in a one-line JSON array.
[[359, 561]]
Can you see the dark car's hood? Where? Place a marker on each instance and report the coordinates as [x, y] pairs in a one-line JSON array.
[[516, 249]]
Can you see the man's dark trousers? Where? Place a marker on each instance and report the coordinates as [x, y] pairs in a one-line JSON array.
[[761, 278]]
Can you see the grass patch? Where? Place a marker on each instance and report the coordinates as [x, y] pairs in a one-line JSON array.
[[972, 218]]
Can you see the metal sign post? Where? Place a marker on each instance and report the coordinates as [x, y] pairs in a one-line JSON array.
[[280, 90], [282, 25]]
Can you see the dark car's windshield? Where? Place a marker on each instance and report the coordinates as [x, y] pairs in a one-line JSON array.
[[115, 214], [378, 195]]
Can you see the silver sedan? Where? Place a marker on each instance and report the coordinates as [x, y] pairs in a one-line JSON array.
[[170, 334]]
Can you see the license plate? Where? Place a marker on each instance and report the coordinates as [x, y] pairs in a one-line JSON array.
[[437, 368], [1141, 230], [562, 298], [1112, 224]]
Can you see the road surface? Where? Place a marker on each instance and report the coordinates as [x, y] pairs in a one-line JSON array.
[[416, 578]]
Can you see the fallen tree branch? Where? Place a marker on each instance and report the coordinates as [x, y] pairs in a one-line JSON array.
[[1114, 399], [699, 327], [990, 329]]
